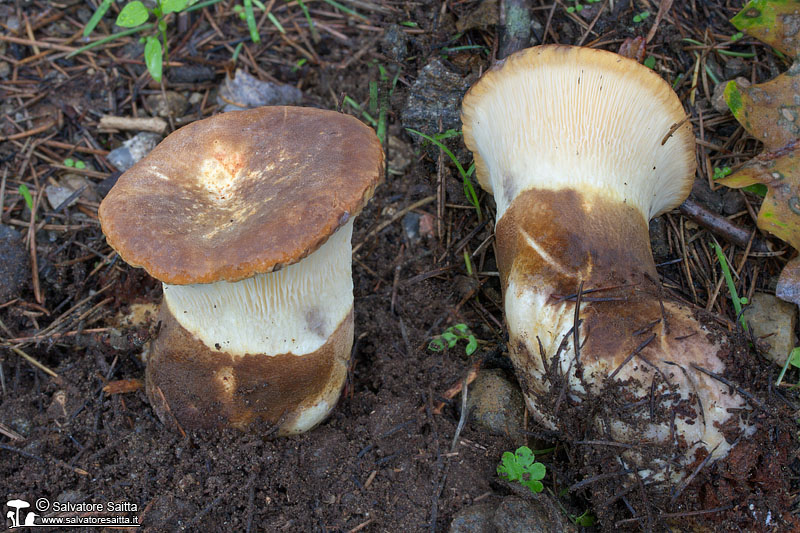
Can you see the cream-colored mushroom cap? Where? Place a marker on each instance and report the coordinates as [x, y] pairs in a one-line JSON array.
[[556, 117]]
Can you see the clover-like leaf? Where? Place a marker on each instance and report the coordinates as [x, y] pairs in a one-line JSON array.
[[132, 15], [472, 345], [451, 338], [152, 57], [173, 6], [436, 345], [520, 466]]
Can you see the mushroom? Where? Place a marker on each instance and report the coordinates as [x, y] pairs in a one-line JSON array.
[[246, 218], [581, 148]]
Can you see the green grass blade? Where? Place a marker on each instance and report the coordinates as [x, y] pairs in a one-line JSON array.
[[201, 5], [95, 20], [275, 22], [251, 21], [346, 9], [469, 190], [349, 101], [110, 38], [726, 272], [307, 15]]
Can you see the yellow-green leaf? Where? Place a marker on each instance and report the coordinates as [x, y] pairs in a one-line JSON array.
[[769, 111], [780, 172], [774, 22]]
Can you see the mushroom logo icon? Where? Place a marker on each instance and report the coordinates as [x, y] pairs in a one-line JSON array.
[[13, 515]]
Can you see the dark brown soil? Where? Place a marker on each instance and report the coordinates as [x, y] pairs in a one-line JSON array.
[[382, 461]]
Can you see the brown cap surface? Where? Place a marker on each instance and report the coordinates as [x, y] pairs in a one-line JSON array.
[[242, 193]]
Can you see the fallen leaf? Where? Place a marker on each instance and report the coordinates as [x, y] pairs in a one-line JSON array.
[[770, 112], [774, 22], [633, 48], [779, 171]]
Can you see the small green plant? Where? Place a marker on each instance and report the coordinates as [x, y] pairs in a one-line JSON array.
[[469, 190], [246, 13], [135, 15], [587, 519], [736, 36], [792, 359], [578, 7], [650, 62], [726, 273], [720, 173], [451, 336], [641, 17], [72, 163], [520, 466], [756, 188], [26, 195], [299, 64]]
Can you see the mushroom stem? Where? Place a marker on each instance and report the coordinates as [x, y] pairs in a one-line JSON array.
[[274, 347], [551, 244]]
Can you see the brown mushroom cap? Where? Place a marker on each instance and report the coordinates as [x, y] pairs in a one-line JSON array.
[[242, 193]]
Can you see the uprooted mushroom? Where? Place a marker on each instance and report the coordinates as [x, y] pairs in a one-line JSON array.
[[246, 218], [581, 148]]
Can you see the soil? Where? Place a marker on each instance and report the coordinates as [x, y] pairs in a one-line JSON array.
[[383, 460]]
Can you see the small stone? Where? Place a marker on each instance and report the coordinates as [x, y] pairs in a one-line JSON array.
[[724, 201], [57, 195], [246, 92], [772, 322], [58, 406], [168, 104], [13, 24], [434, 98], [21, 425], [195, 98], [395, 43], [411, 227], [788, 286], [734, 67], [718, 99], [538, 515], [400, 154], [732, 201], [476, 518], [5, 69], [496, 404], [14, 268], [66, 187], [133, 150], [426, 225]]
